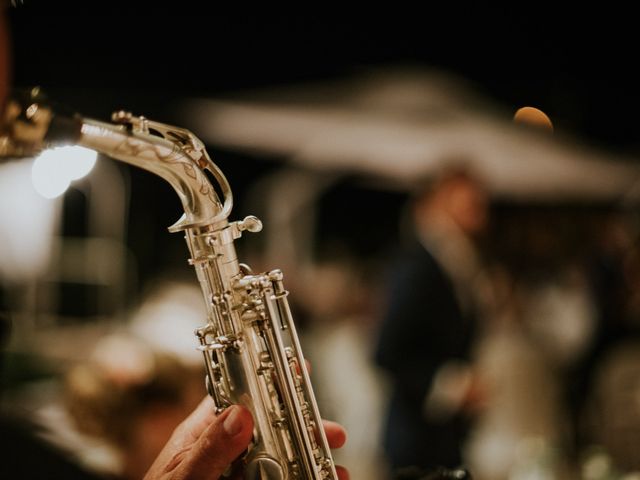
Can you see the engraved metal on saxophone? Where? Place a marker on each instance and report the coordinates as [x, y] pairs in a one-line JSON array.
[[250, 346]]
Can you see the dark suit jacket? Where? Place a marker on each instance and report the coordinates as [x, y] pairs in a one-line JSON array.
[[424, 327]]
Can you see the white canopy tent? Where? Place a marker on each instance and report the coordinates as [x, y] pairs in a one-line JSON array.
[[404, 124]]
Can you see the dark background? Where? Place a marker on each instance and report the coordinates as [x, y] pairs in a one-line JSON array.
[[578, 66]]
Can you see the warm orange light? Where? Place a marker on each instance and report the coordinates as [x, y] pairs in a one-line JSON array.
[[533, 117]]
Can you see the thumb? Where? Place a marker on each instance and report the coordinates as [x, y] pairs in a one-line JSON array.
[[219, 445]]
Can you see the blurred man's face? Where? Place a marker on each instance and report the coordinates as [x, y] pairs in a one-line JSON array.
[[468, 206]]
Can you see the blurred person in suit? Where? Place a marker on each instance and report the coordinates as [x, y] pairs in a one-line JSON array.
[[429, 328]]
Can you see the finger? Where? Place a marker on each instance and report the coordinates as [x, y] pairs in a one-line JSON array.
[[219, 445], [336, 434], [189, 430], [343, 473], [307, 366], [196, 423]]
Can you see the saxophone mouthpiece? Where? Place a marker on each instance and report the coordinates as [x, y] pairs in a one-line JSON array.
[[30, 123]]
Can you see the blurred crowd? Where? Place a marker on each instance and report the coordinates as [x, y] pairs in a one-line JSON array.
[[553, 357], [536, 365]]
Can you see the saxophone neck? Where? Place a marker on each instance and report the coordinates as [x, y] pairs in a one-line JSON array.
[[173, 154], [31, 123]]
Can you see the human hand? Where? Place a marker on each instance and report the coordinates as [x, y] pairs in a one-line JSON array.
[[205, 444], [476, 397]]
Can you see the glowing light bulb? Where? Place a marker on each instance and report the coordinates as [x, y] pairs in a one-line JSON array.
[[55, 169], [79, 161]]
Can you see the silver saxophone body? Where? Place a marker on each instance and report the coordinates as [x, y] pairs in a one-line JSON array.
[[249, 342]]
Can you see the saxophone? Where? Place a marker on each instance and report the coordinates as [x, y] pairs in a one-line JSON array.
[[251, 350]]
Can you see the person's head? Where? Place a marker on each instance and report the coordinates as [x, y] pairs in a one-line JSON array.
[[132, 397], [457, 195]]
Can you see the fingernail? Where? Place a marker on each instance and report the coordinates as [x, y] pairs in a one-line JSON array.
[[233, 423]]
